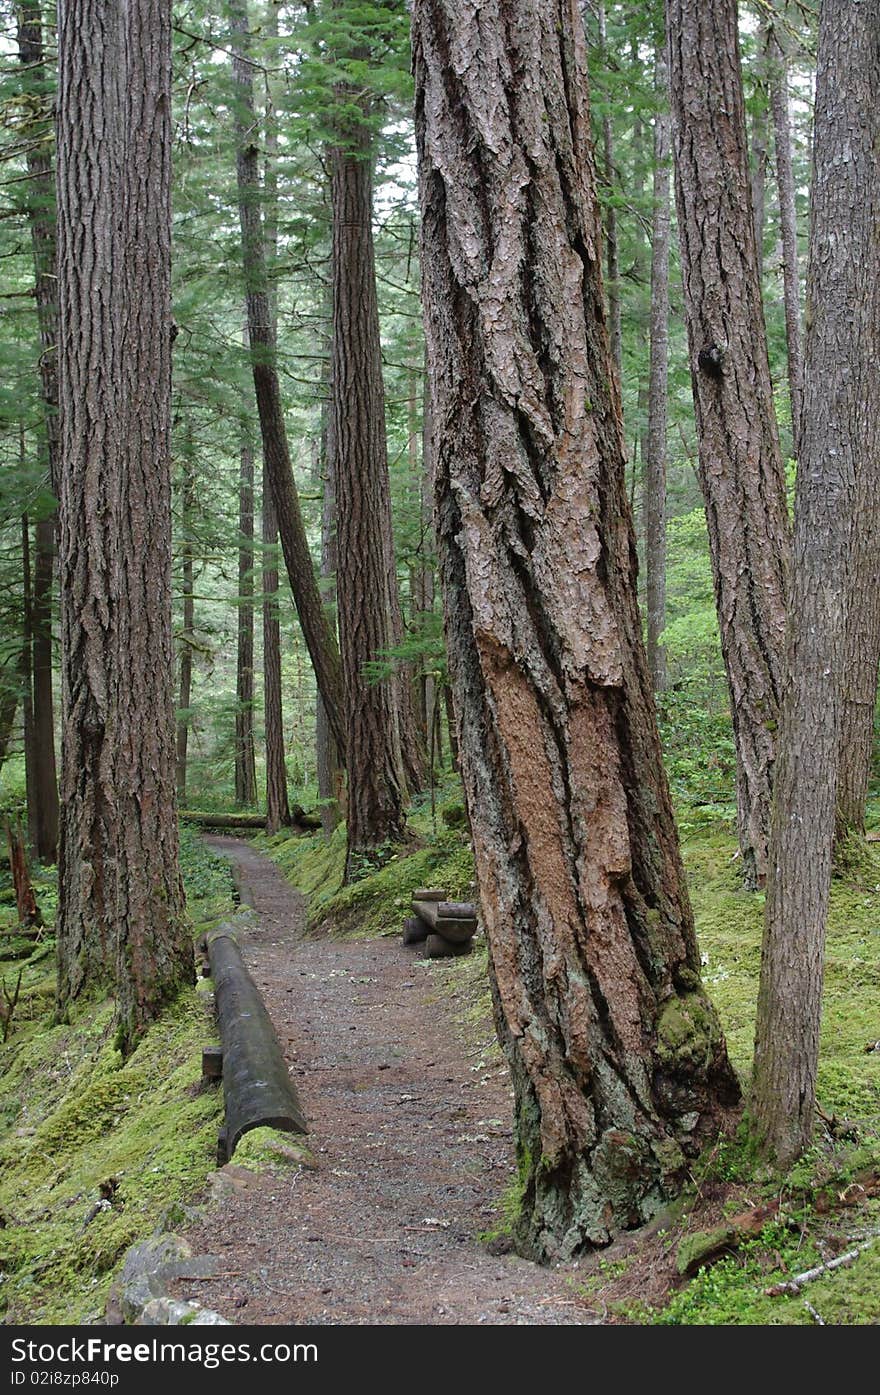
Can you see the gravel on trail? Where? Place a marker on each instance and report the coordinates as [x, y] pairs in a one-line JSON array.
[[411, 1136]]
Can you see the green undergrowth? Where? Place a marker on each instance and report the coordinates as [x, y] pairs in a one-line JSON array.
[[812, 1224], [438, 855], [97, 1152]]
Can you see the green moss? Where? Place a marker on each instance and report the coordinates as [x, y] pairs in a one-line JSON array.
[[379, 902], [688, 1033], [73, 1116], [266, 1147]]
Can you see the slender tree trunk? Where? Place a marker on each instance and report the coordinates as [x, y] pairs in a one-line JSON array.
[[277, 805], [759, 164], [366, 578], [619, 1066], [320, 641], [839, 440], [778, 69], [655, 455], [741, 469], [245, 762], [43, 805], [188, 634], [26, 670], [10, 681], [612, 251], [329, 773], [121, 909]]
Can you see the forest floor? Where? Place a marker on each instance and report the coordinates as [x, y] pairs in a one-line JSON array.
[[410, 1139]]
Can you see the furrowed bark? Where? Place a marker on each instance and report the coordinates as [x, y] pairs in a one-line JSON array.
[[121, 908], [655, 440], [741, 469], [839, 442], [618, 1063]]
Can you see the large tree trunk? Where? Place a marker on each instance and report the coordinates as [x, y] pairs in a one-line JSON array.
[[839, 441], [121, 909], [778, 77], [861, 654], [366, 580], [741, 469], [655, 453], [619, 1065], [43, 791], [188, 633], [245, 762], [320, 641]]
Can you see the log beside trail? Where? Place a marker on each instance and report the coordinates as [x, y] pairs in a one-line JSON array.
[[447, 927], [257, 1088]]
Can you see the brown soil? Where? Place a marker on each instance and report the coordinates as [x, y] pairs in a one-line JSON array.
[[410, 1129]]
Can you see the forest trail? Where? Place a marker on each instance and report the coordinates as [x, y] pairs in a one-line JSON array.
[[412, 1140]]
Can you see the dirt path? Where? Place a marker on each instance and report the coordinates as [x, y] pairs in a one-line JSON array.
[[411, 1135]]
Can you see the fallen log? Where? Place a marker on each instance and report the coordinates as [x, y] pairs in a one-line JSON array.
[[257, 1088], [208, 820], [299, 819]]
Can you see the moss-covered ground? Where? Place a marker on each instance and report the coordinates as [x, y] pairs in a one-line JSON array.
[[95, 1152], [826, 1200]]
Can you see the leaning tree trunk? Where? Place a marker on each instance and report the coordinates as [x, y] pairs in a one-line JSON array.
[[741, 469], [778, 70], [121, 909], [43, 816], [619, 1066], [376, 779], [655, 454], [320, 641], [839, 442], [245, 761], [277, 805]]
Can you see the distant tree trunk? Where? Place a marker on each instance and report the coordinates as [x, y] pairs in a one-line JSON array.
[[277, 805], [619, 1066], [329, 773], [655, 454], [741, 469], [320, 641], [759, 162], [43, 800], [26, 671], [245, 763], [188, 634], [121, 909], [366, 581], [612, 251], [9, 688], [427, 559], [839, 440], [778, 69]]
